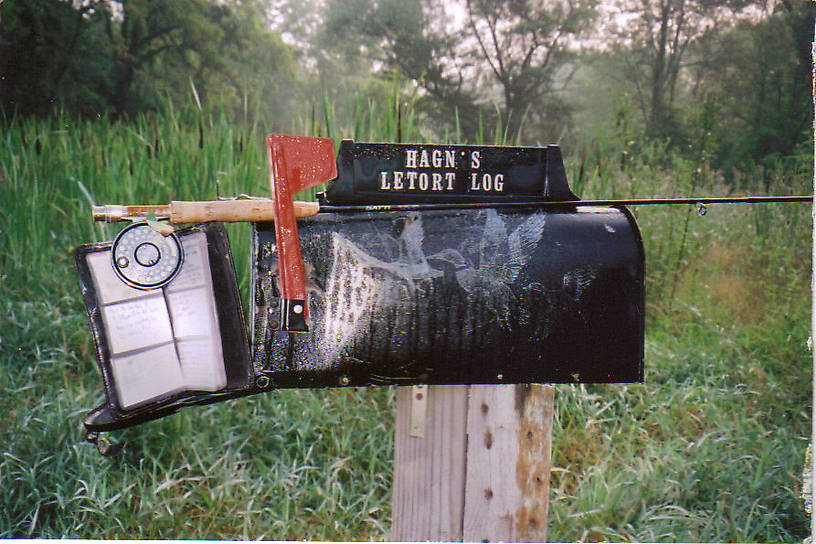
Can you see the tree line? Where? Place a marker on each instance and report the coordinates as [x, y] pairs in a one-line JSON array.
[[726, 76], [97, 57]]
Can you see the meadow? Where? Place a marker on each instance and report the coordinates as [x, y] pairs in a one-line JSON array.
[[710, 448]]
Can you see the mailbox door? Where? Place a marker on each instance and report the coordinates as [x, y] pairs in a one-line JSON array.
[[204, 332], [457, 297]]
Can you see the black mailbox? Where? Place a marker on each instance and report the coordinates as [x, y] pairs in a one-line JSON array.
[[427, 264], [444, 265]]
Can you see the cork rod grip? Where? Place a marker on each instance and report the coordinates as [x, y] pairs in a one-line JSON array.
[[233, 210]]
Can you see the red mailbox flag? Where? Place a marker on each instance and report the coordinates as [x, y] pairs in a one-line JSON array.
[[295, 163]]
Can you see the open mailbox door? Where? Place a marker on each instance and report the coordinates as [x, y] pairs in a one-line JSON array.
[[163, 347], [426, 264]]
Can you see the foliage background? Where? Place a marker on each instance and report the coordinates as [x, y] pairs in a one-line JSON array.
[[137, 101]]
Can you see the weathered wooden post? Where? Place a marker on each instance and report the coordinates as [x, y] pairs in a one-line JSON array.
[[472, 463]]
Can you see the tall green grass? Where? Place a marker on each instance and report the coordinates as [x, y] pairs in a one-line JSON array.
[[709, 448]]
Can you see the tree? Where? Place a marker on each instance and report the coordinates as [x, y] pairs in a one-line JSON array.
[[757, 75], [240, 63], [124, 56], [468, 55], [410, 37], [653, 37], [50, 52], [525, 44], [144, 30]]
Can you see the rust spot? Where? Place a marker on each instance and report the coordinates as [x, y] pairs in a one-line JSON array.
[[485, 408], [529, 522], [488, 494], [488, 439], [522, 394]]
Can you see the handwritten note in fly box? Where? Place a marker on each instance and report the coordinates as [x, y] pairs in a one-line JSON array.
[[162, 341]]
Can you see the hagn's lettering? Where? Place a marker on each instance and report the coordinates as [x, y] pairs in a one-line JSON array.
[[434, 170], [410, 158]]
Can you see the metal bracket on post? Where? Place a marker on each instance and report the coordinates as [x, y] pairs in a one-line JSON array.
[[419, 409]]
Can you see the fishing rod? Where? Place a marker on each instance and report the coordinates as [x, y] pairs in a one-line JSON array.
[[571, 203], [261, 209]]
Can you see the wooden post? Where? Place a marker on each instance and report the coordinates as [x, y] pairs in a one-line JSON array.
[[476, 467]]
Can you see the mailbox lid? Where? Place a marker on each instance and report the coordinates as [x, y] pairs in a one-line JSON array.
[[458, 297]]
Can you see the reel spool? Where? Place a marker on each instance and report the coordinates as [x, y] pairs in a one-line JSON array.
[[144, 258]]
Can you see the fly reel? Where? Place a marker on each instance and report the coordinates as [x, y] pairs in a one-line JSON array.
[[146, 259]]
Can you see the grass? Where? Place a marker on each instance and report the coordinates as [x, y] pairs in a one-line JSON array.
[[271, 466], [709, 448]]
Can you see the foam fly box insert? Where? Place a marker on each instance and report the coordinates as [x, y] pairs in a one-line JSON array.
[[163, 348]]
